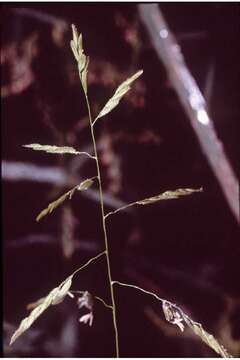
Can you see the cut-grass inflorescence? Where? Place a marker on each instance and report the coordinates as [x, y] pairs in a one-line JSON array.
[[173, 313]]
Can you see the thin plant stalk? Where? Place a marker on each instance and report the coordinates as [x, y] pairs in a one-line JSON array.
[[104, 226], [83, 62]]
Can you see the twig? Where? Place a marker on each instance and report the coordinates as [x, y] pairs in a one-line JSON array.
[[89, 262], [140, 289], [76, 162], [87, 154], [119, 209], [104, 303], [192, 100]]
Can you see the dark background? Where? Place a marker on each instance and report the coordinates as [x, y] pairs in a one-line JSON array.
[[185, 250]]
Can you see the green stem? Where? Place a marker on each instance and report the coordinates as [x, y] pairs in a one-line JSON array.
[[104, 227]]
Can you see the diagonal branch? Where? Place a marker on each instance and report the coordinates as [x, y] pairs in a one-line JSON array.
[[192, 100], [89, 262]]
